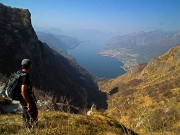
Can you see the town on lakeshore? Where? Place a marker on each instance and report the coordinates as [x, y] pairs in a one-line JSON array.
[[129, 60]]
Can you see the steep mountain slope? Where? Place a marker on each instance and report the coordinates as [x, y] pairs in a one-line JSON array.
[[147, 97], [51, 71]]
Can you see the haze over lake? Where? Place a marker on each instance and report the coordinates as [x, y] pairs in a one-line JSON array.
[[87, 56]]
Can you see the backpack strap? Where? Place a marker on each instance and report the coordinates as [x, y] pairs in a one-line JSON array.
[[21, 73]]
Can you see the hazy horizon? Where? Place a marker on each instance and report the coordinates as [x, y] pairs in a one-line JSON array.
[[123, 16]]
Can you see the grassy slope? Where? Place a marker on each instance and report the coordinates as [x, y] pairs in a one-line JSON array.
[[62, 123], [148, 95]]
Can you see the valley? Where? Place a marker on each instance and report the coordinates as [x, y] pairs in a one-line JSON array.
[[145, 100], [86, 55]]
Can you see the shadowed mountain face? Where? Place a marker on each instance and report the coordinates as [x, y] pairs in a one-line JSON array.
[[147, 97], [51, 71]]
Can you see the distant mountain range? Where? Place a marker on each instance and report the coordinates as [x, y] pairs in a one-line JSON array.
[[60, 43], [141, 47], [50, 30], [140, 39]]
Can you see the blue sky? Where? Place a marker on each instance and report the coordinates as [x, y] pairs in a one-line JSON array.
[[104, 15]]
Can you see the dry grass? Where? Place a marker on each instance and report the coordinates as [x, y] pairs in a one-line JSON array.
[[148, 94], [57, 123]]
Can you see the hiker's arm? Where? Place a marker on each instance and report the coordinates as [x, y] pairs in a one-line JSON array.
[[25, 96]]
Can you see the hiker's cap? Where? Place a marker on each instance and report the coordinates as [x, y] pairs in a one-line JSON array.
[[26, 63]]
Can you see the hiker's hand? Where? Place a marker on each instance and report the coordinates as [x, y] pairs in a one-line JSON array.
[[28, 106]]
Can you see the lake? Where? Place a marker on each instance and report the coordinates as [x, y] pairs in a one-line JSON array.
[[87, 56]]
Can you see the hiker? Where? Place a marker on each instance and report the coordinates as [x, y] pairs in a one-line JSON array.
[[28, 102]]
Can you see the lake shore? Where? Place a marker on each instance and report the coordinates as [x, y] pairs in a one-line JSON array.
[[87, 56], [129, 60]]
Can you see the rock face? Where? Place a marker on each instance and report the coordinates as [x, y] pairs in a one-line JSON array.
[[51, 71]]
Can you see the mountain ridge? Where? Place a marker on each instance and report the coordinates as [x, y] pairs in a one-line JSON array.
[[60, 43], [141, 47], [137, 38]]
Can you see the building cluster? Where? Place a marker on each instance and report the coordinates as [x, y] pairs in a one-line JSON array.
[[129, 60]]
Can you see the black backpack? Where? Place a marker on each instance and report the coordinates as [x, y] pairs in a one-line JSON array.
[[11, 89]]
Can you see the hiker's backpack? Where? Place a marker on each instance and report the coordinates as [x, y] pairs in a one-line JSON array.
[[11, 89]]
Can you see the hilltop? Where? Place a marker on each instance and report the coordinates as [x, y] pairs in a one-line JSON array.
[[147, 97]]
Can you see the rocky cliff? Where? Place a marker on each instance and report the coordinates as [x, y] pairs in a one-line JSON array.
[[51, 71]]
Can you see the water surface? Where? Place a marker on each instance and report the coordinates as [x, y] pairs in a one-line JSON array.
[[87, 57]]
